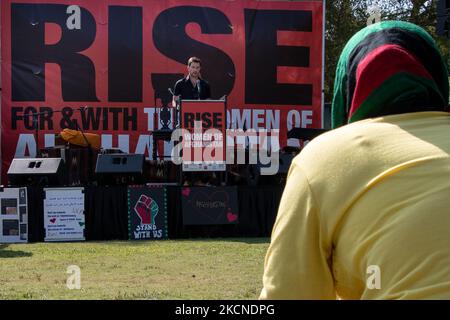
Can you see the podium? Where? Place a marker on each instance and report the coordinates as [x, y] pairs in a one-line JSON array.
[[204, 136]]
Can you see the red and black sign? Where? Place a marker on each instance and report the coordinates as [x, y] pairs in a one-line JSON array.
[[209, 206], [147, 213], [120, 57], [204, 137]]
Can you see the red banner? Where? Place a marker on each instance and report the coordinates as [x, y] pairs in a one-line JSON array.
[[119, 57]]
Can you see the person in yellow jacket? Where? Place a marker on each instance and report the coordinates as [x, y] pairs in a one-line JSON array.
[[365, 213]]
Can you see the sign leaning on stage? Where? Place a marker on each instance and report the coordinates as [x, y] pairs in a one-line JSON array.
[[147, 213], [13, 215], [120, 57], [64, 218], [209, 205], [204, 146]]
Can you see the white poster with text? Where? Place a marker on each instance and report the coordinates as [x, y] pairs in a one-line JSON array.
[[64, 214]]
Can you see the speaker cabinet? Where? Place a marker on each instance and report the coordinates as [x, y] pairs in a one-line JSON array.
[[120, 168], [36, 171], [442, 24]]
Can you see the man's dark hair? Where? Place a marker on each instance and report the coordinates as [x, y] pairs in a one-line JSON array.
[[194, 60]]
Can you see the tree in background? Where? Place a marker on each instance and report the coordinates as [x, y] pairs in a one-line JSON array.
[[345, 17]]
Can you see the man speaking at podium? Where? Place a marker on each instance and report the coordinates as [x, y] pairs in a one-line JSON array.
[[192, 87]]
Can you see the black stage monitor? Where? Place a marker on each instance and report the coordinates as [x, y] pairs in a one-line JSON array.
[[120, 168], [36, 171], [442, 25]]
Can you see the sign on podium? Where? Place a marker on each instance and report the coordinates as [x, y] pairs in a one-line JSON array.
[[204, 135]]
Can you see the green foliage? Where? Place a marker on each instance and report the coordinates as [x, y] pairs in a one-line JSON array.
[[345, 17]]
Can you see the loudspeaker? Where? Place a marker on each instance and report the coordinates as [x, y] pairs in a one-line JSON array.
[[442, 25], [257, 178], [285, 161], [36, 171], [120, 168]]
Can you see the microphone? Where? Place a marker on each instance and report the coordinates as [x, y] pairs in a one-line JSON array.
[[173, 94], [198, 88]]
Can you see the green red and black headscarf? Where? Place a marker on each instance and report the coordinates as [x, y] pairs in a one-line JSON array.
[[390, 67]]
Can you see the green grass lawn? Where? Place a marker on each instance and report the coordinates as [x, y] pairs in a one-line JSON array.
[[174, 269]]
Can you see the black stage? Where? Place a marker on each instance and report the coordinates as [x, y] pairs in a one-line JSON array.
[[106, 214]]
